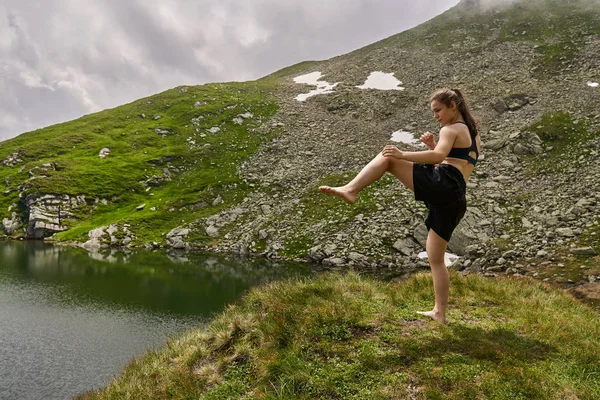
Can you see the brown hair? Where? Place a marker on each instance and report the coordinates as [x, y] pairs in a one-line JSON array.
[[447, 96]]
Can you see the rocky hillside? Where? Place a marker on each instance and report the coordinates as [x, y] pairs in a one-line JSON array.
[[235, 167]]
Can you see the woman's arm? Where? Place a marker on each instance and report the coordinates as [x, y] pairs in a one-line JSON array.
[[435, 156]]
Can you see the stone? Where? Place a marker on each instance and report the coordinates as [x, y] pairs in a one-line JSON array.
[[521, 149], [10, 226], [542, 254], [500, 106], [495, 144], [509, 254], [316, 254], [212, 231], [141, 207], [96, 239], [334, 261], [46, 213], [266, 209], [404, 246], [583, 251], [565, 232], [105, 152], [357, 257]]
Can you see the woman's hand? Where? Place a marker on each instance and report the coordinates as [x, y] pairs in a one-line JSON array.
[[428, 139], [391, 151]]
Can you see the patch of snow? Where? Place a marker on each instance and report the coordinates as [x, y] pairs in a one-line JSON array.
[[404, 137], [309, 79], [382, 81], [449, 258], [593, 84], [313, 79]]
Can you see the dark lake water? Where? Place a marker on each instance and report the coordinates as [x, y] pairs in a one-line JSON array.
[[71, 320]]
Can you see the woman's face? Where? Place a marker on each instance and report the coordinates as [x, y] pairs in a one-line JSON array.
[[444, 115]]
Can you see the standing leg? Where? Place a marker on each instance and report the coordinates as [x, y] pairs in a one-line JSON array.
[[372, 172], [436, 248]]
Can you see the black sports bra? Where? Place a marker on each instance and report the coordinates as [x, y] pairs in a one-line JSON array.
[[464, 153]]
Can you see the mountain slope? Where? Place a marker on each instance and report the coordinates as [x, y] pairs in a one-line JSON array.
[[524, 66], [177, 152]]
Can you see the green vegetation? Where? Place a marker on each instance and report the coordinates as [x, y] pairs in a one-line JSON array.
[[347, 337], [566, 137], [591, 237], [176, 152]]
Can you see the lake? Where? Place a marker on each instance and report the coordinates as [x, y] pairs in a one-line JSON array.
[[71, 320]]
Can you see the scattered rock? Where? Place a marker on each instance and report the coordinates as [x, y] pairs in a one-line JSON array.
[[105, 152], [212, 231], [565, 232], [583, 251]]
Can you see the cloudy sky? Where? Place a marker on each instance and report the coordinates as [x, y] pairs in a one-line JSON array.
[[61, 59]]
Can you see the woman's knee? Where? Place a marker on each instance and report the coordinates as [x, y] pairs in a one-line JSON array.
[[436, 248], [383, 160], [435, 260]]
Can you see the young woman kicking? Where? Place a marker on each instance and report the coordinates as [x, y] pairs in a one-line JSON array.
[[437, 176]]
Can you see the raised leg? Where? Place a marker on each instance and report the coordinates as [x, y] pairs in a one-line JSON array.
[[436, 248], [372, 172]]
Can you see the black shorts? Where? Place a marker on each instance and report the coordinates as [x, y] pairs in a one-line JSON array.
[[443, 190]]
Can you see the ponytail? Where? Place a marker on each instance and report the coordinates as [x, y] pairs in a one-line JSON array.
[[447, 96]]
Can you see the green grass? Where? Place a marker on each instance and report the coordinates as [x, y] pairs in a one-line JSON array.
[[567, 137], [348, 337], [199, 172]]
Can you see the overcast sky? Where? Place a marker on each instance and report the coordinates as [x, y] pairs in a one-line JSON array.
[[61, 59]]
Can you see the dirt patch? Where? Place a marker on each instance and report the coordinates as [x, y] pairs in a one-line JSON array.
[[588, 292]]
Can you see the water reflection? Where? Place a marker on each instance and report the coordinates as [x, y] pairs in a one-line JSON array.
[[70, 320], [193, 284]]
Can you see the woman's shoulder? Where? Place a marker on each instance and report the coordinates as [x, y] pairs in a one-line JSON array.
[[453, 129]]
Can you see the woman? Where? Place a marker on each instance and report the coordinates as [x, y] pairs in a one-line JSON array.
[[438, 177]]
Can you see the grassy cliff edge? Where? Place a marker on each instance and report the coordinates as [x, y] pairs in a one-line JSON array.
[[348, 337]]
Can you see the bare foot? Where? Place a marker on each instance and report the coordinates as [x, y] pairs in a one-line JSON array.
[[434, 315], [340, 192]]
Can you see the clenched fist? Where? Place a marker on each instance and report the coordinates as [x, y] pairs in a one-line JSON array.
[[428, 139]]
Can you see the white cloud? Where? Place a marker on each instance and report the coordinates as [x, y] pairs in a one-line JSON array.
[[63, 58], [32, 80]]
